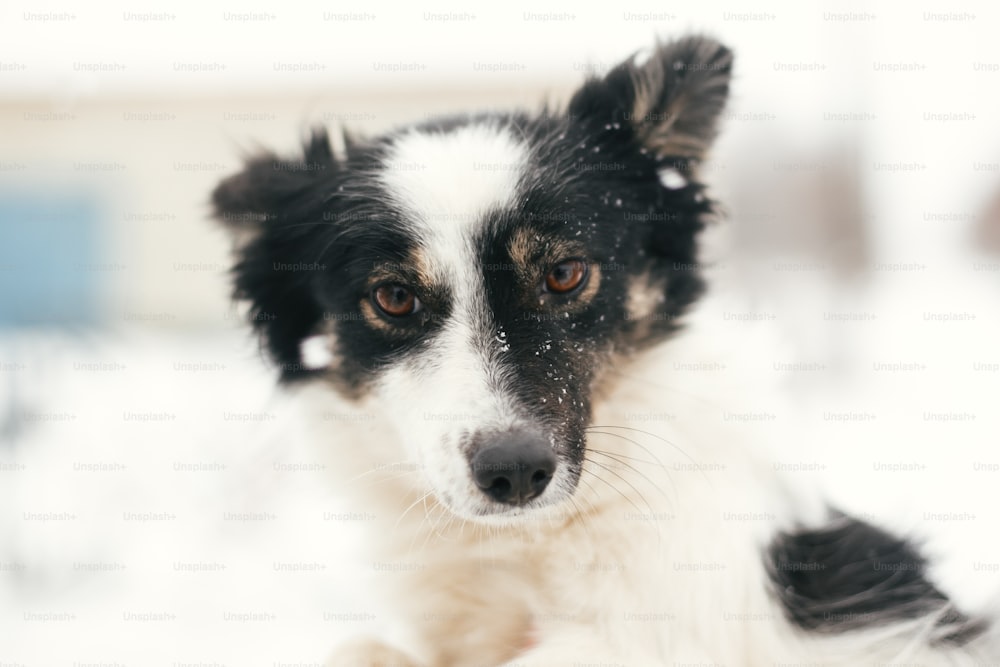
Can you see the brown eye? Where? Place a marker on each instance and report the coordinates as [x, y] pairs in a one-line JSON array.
[[396, 300], [566, 276]]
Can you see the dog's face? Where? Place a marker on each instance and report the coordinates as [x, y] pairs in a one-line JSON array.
[[476, 275]]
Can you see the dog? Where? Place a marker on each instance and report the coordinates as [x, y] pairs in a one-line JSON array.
[[501, 292]]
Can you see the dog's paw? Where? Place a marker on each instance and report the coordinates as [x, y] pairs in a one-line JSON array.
[[368, 652]]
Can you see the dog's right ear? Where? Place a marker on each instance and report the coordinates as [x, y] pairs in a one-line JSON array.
[[274, 209], [271, 188]]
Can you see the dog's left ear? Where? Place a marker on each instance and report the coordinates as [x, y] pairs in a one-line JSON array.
[[672, 99]]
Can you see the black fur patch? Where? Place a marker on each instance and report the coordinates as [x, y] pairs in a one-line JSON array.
[[314, 228], [850, 575], [275, 200]]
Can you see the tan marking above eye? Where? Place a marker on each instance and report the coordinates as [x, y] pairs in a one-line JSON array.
[[566, 276], [528, 249], [520, 248]]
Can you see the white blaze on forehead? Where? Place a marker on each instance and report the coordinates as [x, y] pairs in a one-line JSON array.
[[446, 181]]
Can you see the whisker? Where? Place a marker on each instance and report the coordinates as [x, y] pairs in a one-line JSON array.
[[410, 507], [650, 434], [432, 522], [697, 468], [450, 517], [585, 524], [593, 429], [631, 467], [619, 491], [398, 474], [623, 456], [641, 446], [659, 535], [590, 487]]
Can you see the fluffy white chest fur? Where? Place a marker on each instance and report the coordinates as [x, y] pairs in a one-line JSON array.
[[657, 560]]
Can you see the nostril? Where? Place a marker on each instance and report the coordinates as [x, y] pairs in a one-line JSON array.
[[539, 481], [500, 488]]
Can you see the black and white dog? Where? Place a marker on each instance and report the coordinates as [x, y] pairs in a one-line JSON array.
[[502, 291]]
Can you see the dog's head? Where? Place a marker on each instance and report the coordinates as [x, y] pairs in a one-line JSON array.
[[476, 274]]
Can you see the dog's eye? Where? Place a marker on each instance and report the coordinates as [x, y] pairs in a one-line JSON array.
[[566, 276], [396, 300]]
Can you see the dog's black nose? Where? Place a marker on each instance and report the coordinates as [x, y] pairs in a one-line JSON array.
[[513, 467]]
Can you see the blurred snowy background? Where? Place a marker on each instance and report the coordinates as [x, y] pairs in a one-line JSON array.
[[860, 170]]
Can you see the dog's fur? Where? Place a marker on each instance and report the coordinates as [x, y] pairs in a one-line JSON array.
[[638, 552]]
